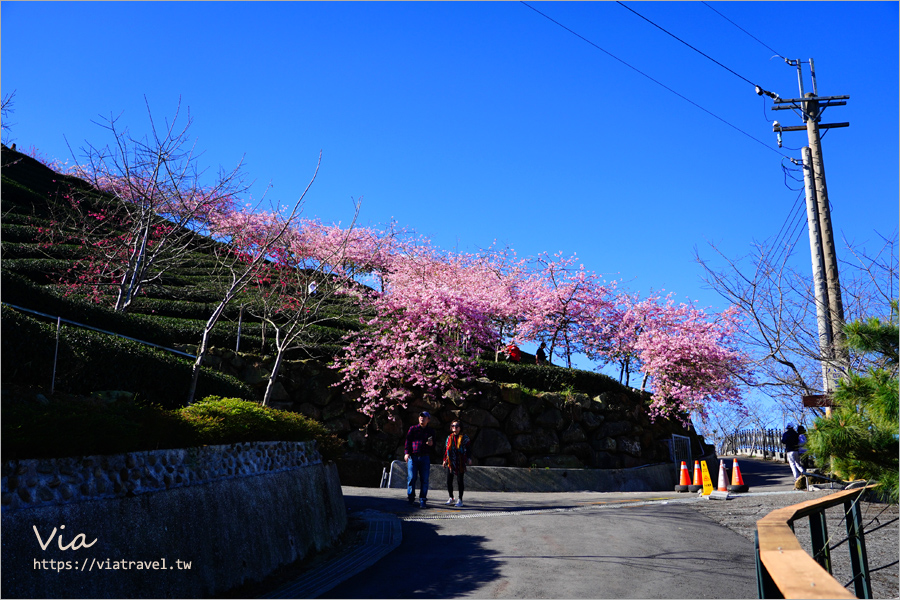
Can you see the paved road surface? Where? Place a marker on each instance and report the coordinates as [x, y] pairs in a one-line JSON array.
[[583, 551], [562, 545]]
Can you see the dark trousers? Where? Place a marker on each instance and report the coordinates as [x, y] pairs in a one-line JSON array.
[[459, 480]]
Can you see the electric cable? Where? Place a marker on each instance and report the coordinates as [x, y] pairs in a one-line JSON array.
[[797, 217], [788, 173], [798, 231], [791, 217], [686, 44], [611, 55], [742, 29]]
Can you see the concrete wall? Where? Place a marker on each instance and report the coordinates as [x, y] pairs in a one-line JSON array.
[[233, 513], [661, 477]]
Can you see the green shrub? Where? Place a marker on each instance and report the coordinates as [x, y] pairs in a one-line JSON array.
[[26, 250], [232, 420], [86, 426]]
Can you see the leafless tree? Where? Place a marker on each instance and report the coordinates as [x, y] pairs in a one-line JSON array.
[[777, 301], [6, 109]]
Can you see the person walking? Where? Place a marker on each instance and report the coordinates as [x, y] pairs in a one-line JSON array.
[[419, 442], [791, 440], [457, 455], [541, 356]]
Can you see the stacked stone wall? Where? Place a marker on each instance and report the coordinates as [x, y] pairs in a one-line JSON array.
[[30, 483], [508, 426]]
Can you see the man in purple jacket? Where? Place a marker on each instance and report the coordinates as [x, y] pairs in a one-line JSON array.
[[419, 441]]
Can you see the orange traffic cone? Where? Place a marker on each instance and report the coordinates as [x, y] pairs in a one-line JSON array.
[[737, 482], [723, 477], [685, 479], [698, 478]]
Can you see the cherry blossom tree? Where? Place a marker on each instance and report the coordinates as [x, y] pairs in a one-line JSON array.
[[563, 303], [248, 239], [158, 204], [690, 359], [614, 331], [436, 315], [313, 267]]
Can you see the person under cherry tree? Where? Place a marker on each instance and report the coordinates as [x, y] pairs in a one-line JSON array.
[[457, 455]]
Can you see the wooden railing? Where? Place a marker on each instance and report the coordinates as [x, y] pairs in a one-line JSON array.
[[785, 570]]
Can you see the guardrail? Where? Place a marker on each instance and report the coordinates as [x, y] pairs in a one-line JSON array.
[[59, 321], [783, 567], [766, 442]]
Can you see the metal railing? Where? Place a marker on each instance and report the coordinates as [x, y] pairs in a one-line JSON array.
[[59, 321], [681, 450], [766, 442], [785, 570]]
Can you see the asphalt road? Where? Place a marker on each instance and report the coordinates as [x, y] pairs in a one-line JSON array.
[[552, 545], [574, 545]]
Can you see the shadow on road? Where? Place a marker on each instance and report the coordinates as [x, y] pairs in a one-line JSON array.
[[463, 563]]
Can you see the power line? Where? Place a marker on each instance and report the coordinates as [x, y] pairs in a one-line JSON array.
[[581, 37], [686, 44], [792, 233], [790, 218], [742, 29]]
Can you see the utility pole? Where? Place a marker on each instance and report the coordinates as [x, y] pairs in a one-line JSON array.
[[810, 107], [820, 284]]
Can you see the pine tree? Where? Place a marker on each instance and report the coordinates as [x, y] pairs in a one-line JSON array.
[[860, 438]]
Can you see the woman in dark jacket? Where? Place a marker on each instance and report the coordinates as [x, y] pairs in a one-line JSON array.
[[457, 455]]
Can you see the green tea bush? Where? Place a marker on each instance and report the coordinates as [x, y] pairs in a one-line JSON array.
[[88, 361], [82, 427], [23, 250], [12, 232]]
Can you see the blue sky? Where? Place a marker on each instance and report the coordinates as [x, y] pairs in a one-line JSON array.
[[479, 122]]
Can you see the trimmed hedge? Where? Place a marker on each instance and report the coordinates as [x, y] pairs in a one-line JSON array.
[[17, 233], [88, 361], [23, 250], [551, 378], [40, 269], [83, 427]]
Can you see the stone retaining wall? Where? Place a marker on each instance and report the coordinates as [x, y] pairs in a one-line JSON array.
[[508, 426], [42, 482], [128, 526]]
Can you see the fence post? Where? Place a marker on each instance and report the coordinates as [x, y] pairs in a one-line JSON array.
[[237, 345], [818, 531], [55, 354], [857, 543], [765, 585]]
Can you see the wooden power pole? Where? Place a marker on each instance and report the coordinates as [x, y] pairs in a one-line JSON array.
[[824, 257]]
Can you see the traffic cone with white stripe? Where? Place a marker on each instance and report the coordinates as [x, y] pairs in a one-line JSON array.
[[685, 479], [737, 482], [698, 478], [723, 477]]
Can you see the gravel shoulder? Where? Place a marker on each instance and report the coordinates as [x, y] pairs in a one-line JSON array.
[[882, 535]]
